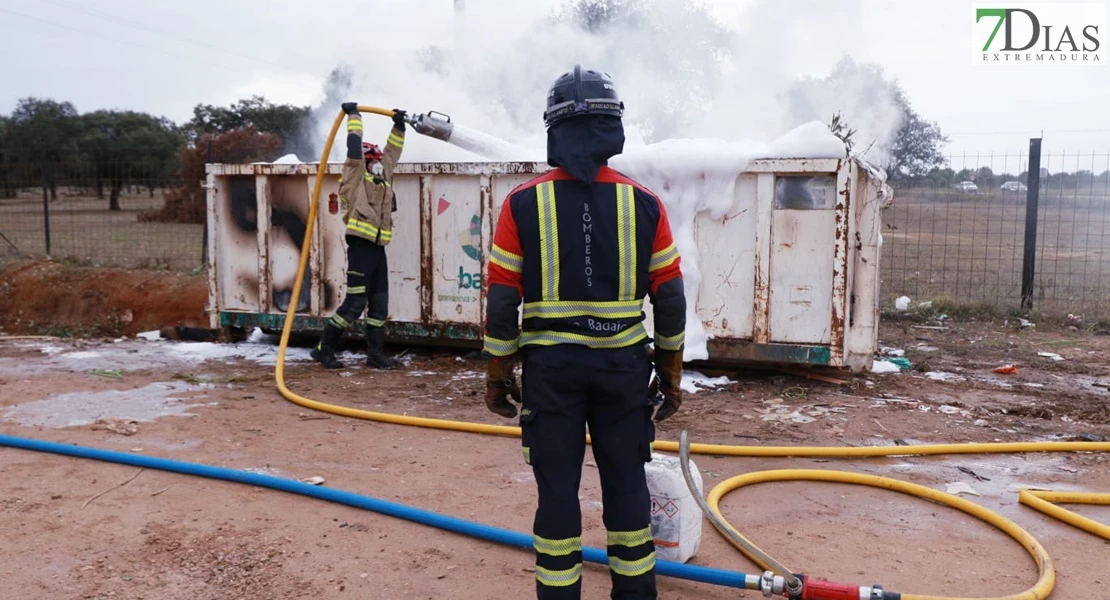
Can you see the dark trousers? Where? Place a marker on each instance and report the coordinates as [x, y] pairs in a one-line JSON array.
[[565, 388], [367, 284]]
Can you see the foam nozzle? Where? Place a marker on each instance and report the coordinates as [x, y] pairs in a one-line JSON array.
[[431, 125]]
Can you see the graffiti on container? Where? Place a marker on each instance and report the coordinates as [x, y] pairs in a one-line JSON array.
[[471, 241]]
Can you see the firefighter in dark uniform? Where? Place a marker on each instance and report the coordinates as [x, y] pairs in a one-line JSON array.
[[366, 191], [582, 246]]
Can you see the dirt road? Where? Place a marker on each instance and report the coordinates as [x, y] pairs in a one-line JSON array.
[[168, 536]]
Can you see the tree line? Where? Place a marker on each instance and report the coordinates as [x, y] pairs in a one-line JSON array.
[[47, 142]]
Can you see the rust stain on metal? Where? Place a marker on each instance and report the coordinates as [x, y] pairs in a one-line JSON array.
[[485, 215], [840, 268], [427, 259]]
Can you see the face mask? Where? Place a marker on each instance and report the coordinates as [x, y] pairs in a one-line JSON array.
[[376, 168]]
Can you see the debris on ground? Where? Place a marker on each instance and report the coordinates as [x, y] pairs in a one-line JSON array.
[[902, 303], [962, 488], [120, 426], [1006, 370], [884, 366], [1051, 356]]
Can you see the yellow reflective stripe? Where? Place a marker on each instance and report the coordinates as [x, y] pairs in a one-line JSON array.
[[527, 455], [506, 260], [672, 342], [375, 322], [563, 309], [550, 338], [629, 538], [626, 242], [358, 289], [340, 321], [396, 140], [559, 578], [387, 235], [362, 227], [632, 568], [663, 258], [355, 273], [498, 347], [556, 547], [549, 240], [368, 177]]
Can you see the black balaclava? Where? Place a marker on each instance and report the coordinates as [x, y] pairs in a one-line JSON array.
[[581, 145]]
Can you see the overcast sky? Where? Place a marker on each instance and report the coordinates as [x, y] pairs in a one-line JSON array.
[[165, 57]]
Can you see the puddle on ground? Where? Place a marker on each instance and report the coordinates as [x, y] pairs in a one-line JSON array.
[[134, 355], [85, 408]]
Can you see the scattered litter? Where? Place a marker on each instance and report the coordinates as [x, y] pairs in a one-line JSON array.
[[1068, 469], [1006, 370], [694, 382], [980, 423], [902, 303], [892, 351], [925, 305], [944, 376], [924, 348], [884, 366], [930, 327], [1026, 324], [150, 336], [1034, 385], [114, 374], [962, 488], [901, 363], [1050, 355], [317, 480], [977, 476], [948, 410]]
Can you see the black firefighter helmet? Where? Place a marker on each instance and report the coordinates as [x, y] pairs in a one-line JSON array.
[[581, 92]]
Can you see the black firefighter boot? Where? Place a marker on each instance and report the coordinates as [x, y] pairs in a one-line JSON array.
[[375, 354], [324, 352]]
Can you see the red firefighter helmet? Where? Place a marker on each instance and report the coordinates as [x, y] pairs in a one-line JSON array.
[[371, 151]]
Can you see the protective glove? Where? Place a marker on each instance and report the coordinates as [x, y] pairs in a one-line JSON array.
[[500, 384], [350, 108], [399, 118], [668, 376]]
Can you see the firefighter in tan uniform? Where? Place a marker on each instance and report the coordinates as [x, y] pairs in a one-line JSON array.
[[366, 191]]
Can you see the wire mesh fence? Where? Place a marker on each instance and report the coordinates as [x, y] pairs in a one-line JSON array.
[[957, 235], [960, 235], [107, 214]]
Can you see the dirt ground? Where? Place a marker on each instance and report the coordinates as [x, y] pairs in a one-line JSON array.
[[84, 529]]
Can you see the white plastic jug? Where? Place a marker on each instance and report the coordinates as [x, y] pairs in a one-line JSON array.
[[675, 516]]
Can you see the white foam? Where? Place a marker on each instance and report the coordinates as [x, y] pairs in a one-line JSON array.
[[692, 176]]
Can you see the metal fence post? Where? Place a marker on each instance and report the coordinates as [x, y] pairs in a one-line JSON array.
[[46, 204], [1032, 196]]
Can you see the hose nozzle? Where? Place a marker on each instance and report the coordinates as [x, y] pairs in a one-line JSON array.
[[432, 126]]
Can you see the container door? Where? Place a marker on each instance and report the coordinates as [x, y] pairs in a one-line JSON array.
[[456, 248], [803, 238]]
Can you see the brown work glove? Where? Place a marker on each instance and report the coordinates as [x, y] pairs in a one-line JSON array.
[[668, 375], [500, 384]]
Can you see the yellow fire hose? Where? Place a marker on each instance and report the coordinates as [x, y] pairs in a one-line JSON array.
[[1039, 500]]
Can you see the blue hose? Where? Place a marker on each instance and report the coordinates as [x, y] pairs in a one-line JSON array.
[[493, 534]]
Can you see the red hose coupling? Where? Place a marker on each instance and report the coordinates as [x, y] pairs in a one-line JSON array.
[[814, 589]]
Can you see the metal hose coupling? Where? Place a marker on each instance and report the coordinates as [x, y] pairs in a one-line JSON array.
[[432, 126], [771, 584]]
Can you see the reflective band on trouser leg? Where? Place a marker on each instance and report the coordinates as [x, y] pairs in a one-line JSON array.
[[375, 322], [565, 578], [339, 321], [564, 309], [632, 561], [550, 338], [672, 343], [358, 289], [549, 240], [626, 241]]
